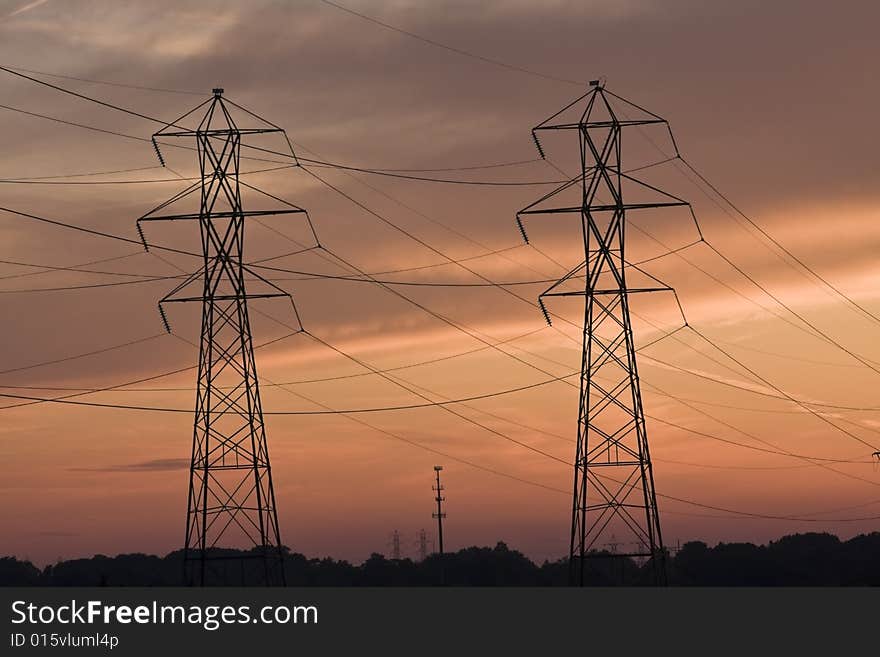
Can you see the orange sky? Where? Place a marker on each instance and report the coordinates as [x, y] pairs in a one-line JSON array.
[[777, 111]]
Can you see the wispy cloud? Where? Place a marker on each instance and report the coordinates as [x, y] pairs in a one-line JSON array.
[[27, 8], [156, 465]]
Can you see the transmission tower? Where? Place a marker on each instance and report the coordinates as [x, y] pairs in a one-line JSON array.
[[613, 477], [232, 528], [423, 545], [395, 545]]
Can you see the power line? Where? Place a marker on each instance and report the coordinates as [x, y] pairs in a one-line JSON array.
[[314, 275], [458, 51], [80, 175], [47, 269], [394, 173], [65, 359], [866, 362], [818, 331], [781, 247], [139, 181], [413, 443], [406, 176], [781, 392], [534, 429], [134, 113], [529, 482], [153, 377], [753, 437], [653, 387], [469, 167], [90, 99], [440, 253], [497, 472], [772, 449], [790, 398], [807, 322], [373, 409], [88, 286], [783, 397], [297, 382], [800, 359], [92, 231], [74, 123], [431, 402], [116, 133], [464, 236], [105, 82], [302, 275], [377, 170]]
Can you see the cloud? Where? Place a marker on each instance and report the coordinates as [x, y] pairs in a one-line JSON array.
[[156, 465], [27, 7]]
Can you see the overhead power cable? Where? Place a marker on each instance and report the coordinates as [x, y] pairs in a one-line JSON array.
[[468, 167], [809, 410], [374, 409], [818, 461], [444, 46], [139, 181], [81, 175], [325, 379], [105, 82], [450, 181], [824, 281], [66, 359], [80, 268], [92, 231], [385, 220]]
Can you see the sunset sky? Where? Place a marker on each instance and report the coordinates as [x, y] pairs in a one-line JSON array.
[[775, 103]]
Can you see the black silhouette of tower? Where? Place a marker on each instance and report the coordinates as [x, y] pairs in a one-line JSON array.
[[395, 545], [423, 545], [613, 477], [439, 515], [231, 493]]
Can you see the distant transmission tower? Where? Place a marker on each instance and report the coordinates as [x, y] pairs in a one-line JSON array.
[[613, 477], [231, 494], [423, 545], [395, 545]]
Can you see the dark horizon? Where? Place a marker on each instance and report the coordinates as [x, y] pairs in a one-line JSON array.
[[810, 559]]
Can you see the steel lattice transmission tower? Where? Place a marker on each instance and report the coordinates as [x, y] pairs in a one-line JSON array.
[[613, 477], [231, 493]]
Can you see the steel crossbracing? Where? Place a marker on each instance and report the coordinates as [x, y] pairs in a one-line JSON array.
[[231, 499], [613, 490]]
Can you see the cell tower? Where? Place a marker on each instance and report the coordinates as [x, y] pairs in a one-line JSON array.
[[613, 476], [231, 494], [439, 515]]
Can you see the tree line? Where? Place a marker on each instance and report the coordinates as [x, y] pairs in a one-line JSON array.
[[810, 559]]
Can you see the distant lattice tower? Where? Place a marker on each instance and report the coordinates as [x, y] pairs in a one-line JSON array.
[[423, 545], [232, 532], [613, 491], [395, 545]]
